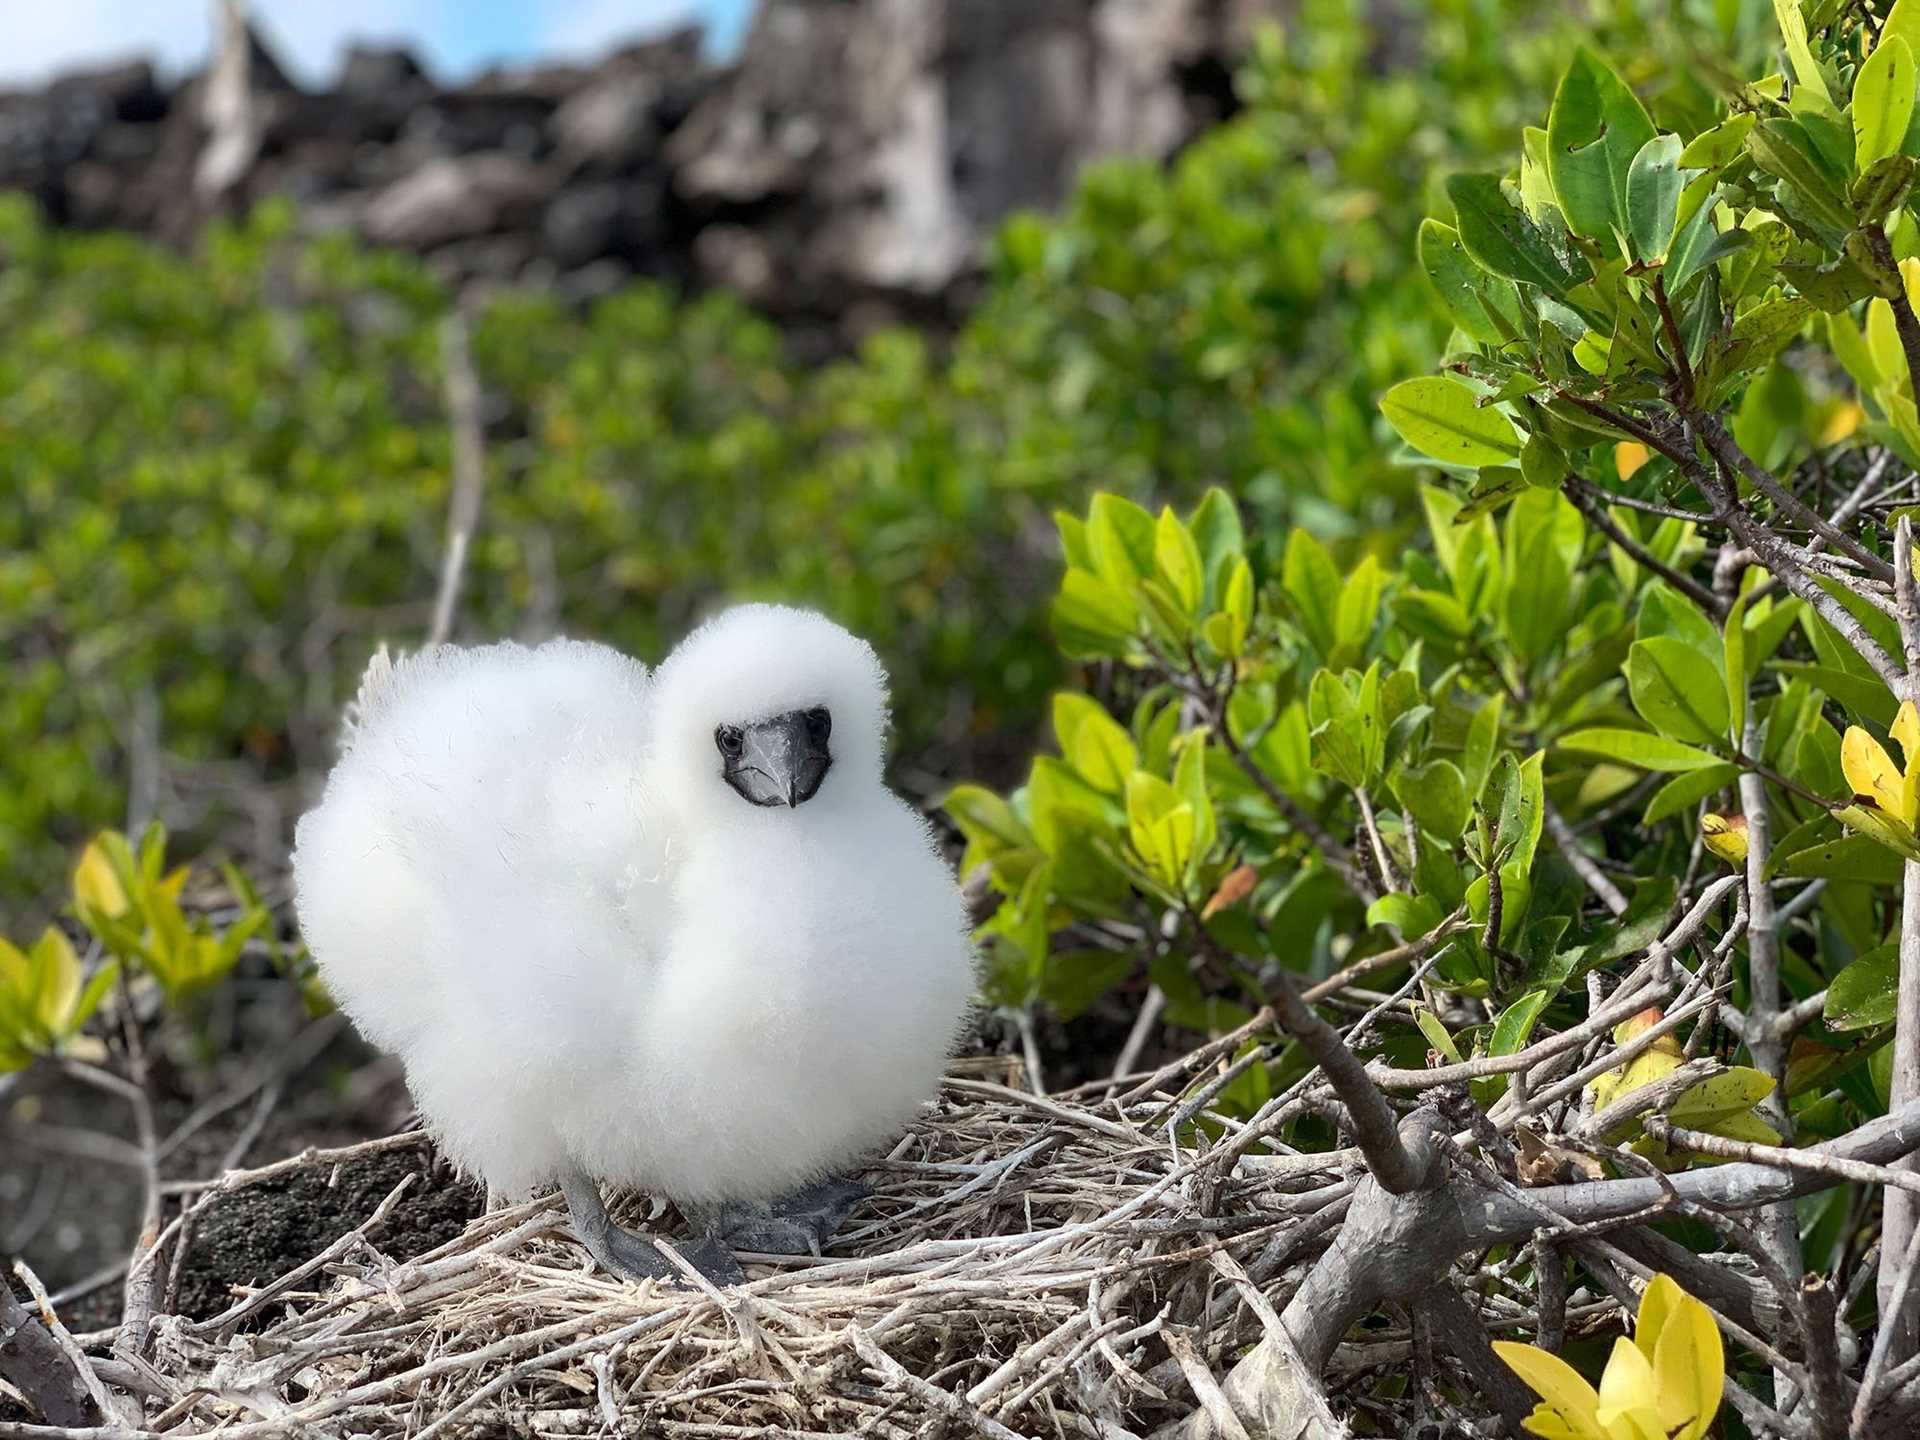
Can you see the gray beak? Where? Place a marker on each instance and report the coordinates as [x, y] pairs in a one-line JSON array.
[[781, 761]]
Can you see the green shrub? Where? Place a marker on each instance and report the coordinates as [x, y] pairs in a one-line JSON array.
[[1613, 658], [224, 477]]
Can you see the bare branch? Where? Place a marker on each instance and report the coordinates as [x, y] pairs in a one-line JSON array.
[[1901, 1219], [469, 468]]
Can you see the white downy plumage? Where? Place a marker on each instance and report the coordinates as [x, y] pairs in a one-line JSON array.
[[532, 878]]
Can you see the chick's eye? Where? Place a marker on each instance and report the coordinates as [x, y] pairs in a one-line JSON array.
[[819, 724], [727, 737]]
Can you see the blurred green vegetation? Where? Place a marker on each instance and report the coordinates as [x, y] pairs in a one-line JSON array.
[[223, 478]]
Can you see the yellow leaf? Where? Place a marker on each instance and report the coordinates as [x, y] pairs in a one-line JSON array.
[[1876, 823], [1637, 1025], [1720, 1097], [1844, 419], [1906, 733], [1726, 836], [1689, 1366], [13, 968], [95, 884], [60, 979], [1567, 1398], [1883, 340], [1745, 1126], [1629, 1407], [1658, 1303], [1871, 772], [1628, 456]]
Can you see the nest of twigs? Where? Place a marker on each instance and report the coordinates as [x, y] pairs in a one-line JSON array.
[[1027, 1265]]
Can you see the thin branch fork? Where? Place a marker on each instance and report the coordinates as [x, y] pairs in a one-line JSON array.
[[1584, 500], [1376, 1126], [1782, 561], [1773, 552], [1723, 447]]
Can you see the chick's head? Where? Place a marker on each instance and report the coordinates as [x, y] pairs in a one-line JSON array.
[[766, 708]]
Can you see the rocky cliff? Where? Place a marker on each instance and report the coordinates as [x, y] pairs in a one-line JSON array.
[[840, 174]]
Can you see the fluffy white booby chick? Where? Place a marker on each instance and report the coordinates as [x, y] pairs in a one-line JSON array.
[[671, 931]]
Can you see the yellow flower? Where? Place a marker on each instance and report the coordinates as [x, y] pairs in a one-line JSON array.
[[1886, 797], [1664, 1382]]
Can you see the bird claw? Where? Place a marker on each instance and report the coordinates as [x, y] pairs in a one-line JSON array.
[[711, 1257], [636, 1257], [630, 1256], [800, 1223]]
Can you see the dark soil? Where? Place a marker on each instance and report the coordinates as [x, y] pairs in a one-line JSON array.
[[252, 1235], [71, 1207]]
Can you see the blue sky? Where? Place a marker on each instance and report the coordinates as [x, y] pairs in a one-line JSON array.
[[454, 37]]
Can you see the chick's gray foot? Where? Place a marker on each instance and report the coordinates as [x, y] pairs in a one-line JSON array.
[[619, 1252], [799, 1223], [635, 1257]]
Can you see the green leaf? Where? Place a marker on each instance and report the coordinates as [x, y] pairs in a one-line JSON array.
[[1161, 827], [1711, 149], [1435, 794], [1483, 738], [1507, 242], [1721, 1097], [1636, 747], [1734, 662], [1883, 188], [1543, 464], [1697, 247], [1092, 618], [1190, 781], [1852, 857], [1073, 539], [1544, 534], [1120, 536], [1903, 23], [1436, 1033], [1764, 331], [1215, 525], [1685, 791], [1483, 306], [1595, 129], [1310, 581], [1444, 419], [1869, 699], [1515, 1025], [1074, 979], [1653, 196], [1237, 603], [1176, 558], [1411, 915], [1782, 148], [1863, 996], [1094, 743], [1522, 808], [1358, 610], [1793, 30], [1676, 694], [1348, 734]]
